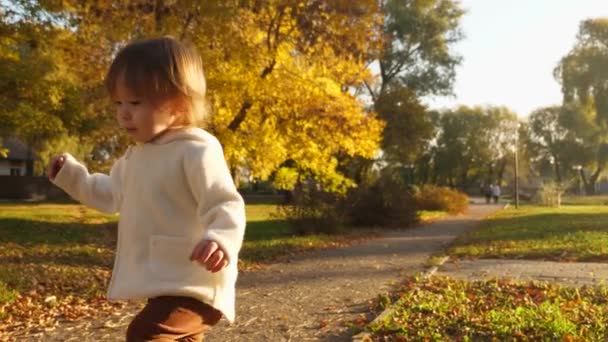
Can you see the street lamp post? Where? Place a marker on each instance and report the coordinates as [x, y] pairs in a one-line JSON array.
[[516, 180]]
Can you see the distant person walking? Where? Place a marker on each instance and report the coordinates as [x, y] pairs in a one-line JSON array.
[[487, 192], [495, 192]]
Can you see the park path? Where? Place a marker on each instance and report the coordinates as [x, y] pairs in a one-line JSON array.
[[314, 296], [563, 273]]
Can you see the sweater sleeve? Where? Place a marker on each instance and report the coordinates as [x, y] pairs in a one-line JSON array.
[[98, 191], [220, 207]]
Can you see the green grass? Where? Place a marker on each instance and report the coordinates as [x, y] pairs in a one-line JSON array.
[[585, 200], [572, 233], [442, 309], [51, 250], [268, 237]]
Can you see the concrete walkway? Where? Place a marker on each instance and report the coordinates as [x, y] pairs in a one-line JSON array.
[[316, 296], [565, 273]]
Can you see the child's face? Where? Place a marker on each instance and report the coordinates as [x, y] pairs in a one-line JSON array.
[[141, 118]]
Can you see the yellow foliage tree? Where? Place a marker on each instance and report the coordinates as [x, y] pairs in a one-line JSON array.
[[280, 73]]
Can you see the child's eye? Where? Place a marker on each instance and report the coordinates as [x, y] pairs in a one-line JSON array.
[[117, 103], [134, 103]]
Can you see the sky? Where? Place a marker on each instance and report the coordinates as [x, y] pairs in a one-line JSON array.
[[511, 48]]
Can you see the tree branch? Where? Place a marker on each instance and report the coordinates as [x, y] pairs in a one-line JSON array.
[[597, 173], [395, 69], [273, 30], [158, 15], [268, 69], [371, 92], [186, 25], [240, 116]]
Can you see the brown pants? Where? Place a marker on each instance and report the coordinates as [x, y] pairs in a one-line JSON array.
[[169, 318]]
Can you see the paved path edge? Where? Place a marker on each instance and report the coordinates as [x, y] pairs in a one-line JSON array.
[[366, 336]]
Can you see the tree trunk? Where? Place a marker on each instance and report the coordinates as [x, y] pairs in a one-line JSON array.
[[435, 177], [362, 172], [502, 165], [558, 173], [247, 104], [159, 7], [450, 181], [490, 178], [234, 172], [464, 178], [590, 183], [29, 163], [240, 116], [287, 196]]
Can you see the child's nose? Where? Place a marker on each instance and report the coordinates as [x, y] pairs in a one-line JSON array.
[[123, 112]]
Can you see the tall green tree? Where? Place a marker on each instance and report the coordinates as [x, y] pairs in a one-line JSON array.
[[474, 144], [553, 141], [415, 60], [409, 128], [503, 126], [583, 74], [418, 37]]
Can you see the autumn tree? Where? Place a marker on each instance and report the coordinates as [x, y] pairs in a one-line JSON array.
[[40, 98], [279, 73]]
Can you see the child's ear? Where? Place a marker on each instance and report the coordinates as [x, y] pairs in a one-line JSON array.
[[180, 111], [180, 107]]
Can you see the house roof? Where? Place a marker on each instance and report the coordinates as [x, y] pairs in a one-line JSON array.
[[17, 150]]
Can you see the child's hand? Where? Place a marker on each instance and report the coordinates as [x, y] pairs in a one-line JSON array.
[[55, 165], [209, 254]]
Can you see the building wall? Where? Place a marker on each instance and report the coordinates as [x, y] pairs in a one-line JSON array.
[[12, 168]]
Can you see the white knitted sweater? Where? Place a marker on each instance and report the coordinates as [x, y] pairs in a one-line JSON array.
[[170, 194]]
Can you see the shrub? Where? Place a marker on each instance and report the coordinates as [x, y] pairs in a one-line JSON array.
[[311, 210], [550, 194], [440, 198], [383, 203]]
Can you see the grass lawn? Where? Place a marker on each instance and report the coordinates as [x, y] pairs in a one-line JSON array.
[[585, 200], [56, 259], [569, 233], [443, 309], [269, 238]]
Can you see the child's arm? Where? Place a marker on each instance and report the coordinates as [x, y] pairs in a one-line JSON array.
[[98, 191], [220, 207]]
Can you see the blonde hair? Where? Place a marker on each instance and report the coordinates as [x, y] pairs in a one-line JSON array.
[[161, 69]]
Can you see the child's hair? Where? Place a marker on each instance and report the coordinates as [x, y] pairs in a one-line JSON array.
[[162, 69]]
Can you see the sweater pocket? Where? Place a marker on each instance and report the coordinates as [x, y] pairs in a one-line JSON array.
[[170, 261]]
